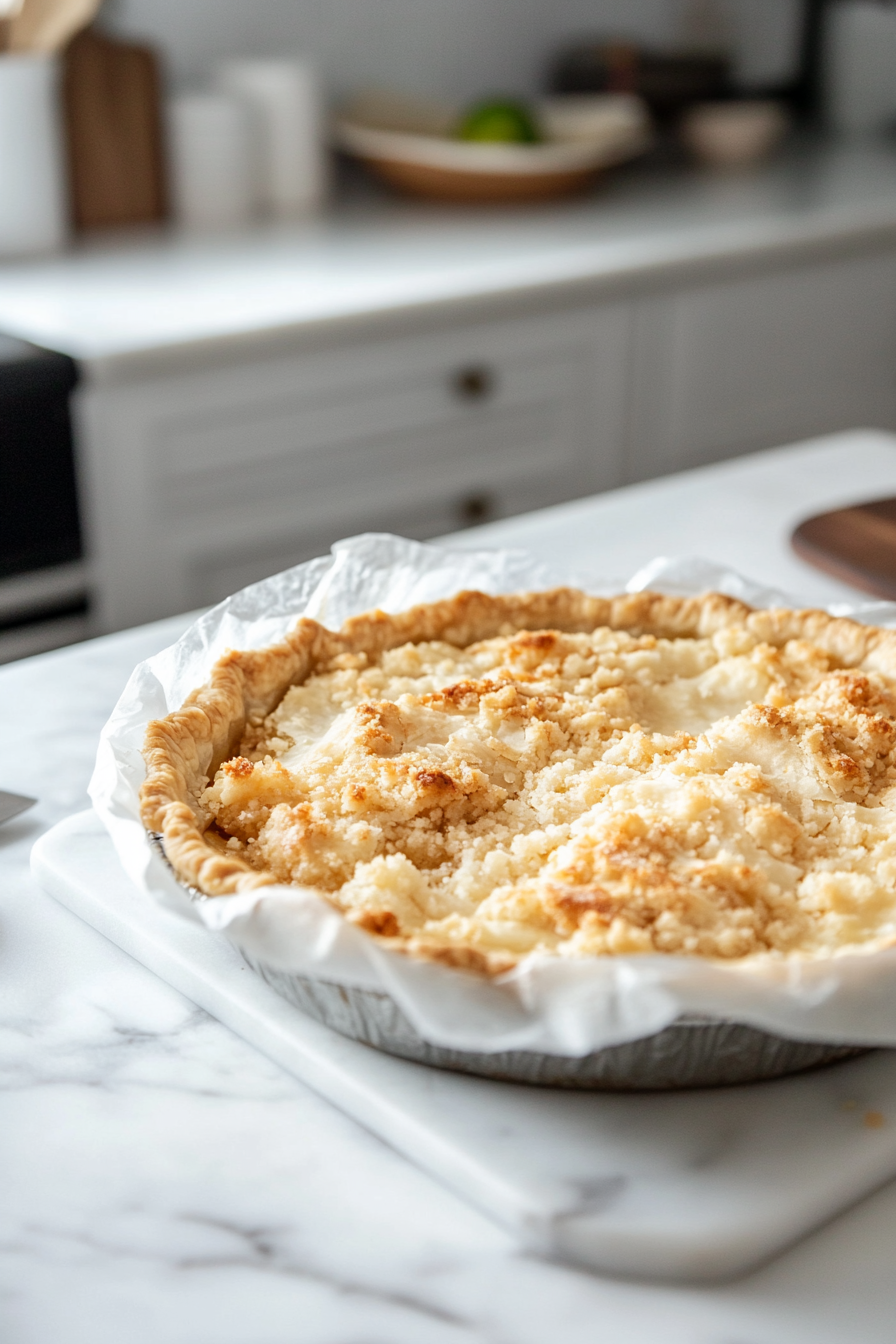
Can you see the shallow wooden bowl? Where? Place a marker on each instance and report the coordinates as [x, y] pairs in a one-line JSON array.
[[454, 184], [441, 168]]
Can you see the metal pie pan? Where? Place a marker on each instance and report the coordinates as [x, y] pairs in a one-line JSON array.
[[692, 1052]]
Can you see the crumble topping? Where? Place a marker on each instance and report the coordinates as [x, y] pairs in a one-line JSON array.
[[580, 794]]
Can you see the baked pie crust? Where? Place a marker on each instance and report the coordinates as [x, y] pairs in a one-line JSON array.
[[484, 777]]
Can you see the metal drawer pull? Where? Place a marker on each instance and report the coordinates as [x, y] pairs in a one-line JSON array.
[[473, 509], [474, 383]]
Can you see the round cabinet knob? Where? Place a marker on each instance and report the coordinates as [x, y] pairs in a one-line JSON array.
[[477, 508], [476, 382]]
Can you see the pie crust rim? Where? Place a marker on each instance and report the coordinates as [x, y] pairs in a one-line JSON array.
[[183, 750]]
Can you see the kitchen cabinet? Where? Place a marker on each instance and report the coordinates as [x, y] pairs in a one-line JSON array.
[[245, 400], [723, 368], [203, 482]]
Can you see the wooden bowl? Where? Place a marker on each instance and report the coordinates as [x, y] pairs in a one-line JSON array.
[[456, 184], [445, 169]]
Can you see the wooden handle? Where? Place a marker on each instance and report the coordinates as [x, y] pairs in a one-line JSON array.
[[49, 25], [856, 545], [112, 98]]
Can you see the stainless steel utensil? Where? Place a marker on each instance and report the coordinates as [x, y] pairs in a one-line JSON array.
[[11, 804]]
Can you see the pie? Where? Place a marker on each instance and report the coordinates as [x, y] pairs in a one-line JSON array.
[[482, 778]]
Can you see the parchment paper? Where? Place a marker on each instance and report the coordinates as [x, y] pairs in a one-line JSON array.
[[546, 1004]]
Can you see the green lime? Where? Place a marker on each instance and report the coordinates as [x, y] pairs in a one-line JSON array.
[[499, 120]]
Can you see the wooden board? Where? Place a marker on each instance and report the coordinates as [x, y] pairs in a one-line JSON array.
[[857, 545], [114, 131]]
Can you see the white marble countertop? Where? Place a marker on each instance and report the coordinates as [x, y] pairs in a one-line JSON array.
[[112, 301], [164, 1184]]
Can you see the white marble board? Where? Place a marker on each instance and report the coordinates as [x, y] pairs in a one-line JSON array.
[[689, 1186]]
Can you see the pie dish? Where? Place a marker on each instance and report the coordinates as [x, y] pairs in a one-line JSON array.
[[482, 778]]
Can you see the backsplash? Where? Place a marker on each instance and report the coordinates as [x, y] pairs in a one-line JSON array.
[[457, 48]]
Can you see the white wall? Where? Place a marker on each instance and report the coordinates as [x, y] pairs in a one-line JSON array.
[[457, 48]]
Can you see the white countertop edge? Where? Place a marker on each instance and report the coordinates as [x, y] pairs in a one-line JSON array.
[[160, 299], [517, 284]]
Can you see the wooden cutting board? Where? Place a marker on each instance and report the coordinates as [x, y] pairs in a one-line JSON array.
[[112, 100], [857, 545]]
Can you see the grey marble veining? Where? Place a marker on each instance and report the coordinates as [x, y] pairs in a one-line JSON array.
[[689, 1185], [161, 1182]]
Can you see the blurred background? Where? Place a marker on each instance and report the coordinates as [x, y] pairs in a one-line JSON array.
[[454, 48], [276, 273]]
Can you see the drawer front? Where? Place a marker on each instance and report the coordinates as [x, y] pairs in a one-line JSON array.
[[305, 460], [213, 571], [390, 437], [212, 480], [726, 368]]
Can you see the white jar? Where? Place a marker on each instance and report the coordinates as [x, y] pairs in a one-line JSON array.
[[859, 66], [210, 137], [33, 197], [285, 98]]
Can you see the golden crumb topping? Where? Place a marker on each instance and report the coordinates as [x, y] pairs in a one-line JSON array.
[[580, 793]]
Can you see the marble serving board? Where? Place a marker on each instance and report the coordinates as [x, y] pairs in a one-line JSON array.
[[690, 1186]]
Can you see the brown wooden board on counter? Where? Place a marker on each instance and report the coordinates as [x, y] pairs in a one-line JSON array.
[[114, 132], [856, 544]]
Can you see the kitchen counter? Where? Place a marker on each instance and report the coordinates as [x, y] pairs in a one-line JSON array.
[[147, 299], [164, 1184]]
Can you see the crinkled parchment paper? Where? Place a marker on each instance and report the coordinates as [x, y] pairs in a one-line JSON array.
[[546, 1004]]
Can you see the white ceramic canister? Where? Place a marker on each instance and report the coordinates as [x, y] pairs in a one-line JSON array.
[[211, 147], [285, 98], [859, 66], [33, 196]]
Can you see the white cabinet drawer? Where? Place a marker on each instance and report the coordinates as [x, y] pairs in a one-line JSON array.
[[226, 562], [215, 478], [721, 369], [403, 438]]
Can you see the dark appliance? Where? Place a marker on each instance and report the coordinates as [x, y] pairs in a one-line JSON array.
[[42, 576]]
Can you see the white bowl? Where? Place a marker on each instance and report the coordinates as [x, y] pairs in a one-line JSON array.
[[594, 118], [733, 135]]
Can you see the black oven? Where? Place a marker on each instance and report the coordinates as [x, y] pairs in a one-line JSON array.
[[43, 588]]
